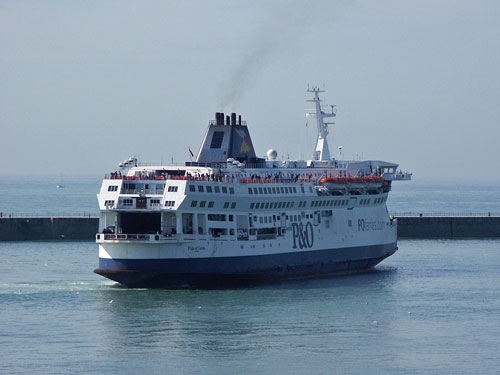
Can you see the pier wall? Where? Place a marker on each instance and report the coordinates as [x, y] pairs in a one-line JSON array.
[[48, 228], [85, 228], [448, 226]]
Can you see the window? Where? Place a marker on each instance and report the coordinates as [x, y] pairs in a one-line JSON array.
[[231, 190], [295, 190], [282, 190], [267, 205], [265, 190], [233, 205], [224, 190], [256, 205], [250, 191], [191, 188], [200, 188], [169, 203], [217, 138], [312, 204], [210, 204], [261, 219], [286, 190], [154, 202], [172, 189], [274, 190], [216, 217], [113, 188], [194, 203], [292, 204], [202, 203], [226, 204], [252, 205], [209, 189], [231, 217], [128, 202], [302, 188], [109, 204], [260, 191], [217, 189], [255, 191]]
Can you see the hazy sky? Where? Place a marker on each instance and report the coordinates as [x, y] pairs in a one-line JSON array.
[[86, 84]]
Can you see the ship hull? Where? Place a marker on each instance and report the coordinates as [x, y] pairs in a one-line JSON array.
[[220, 271]]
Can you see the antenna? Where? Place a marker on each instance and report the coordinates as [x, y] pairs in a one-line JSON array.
[[322, 151]]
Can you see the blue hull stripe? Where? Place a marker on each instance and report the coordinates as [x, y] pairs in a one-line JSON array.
[[215, 271]]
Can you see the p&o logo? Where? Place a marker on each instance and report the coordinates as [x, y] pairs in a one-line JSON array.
[[303, 235]]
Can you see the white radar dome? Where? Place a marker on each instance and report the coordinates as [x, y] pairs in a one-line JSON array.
[[272, 154]]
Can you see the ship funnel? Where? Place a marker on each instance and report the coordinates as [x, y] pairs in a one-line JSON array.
[[239, 120], [233, 118], [227, 120], [219, 118]]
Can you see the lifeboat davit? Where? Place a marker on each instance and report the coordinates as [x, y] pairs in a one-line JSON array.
[[334, 183]]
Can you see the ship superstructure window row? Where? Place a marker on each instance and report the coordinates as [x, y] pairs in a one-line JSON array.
[[128, 202], [109, 203], [113, 188], [172, 189], [275, 190], [169, 203]]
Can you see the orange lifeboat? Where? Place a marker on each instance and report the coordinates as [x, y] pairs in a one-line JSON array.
[[334, 183]]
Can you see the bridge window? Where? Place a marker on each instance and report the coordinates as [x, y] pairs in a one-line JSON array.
[[194, 203]]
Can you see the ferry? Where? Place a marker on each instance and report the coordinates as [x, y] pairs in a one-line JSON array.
[[231, 217]]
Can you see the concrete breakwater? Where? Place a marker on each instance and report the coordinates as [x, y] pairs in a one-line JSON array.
[[448, 226], [41, 228], [85, 227]]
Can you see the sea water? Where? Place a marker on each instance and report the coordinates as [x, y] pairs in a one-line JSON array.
[[432, 308]]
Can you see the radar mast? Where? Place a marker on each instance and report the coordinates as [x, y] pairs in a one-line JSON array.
[[322, 152]]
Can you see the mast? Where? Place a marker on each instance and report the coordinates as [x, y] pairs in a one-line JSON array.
[[322, 152]]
